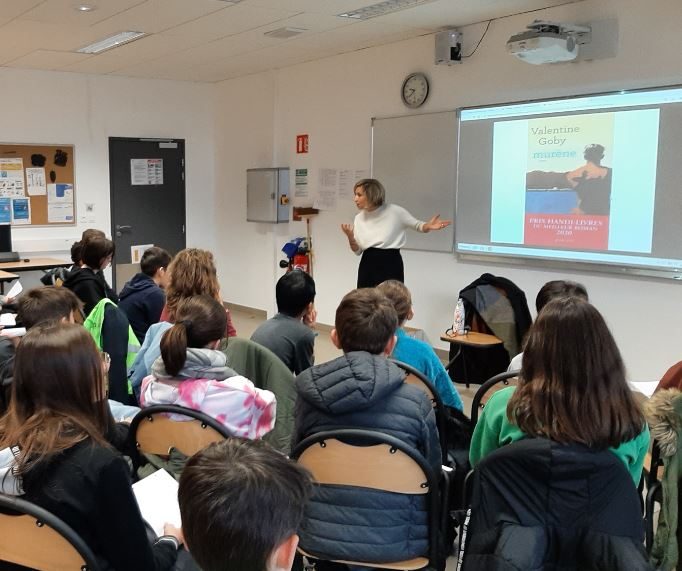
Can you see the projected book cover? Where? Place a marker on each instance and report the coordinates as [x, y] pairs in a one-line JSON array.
[[568, 181]]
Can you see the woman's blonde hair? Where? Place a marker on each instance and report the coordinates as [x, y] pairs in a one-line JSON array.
[[192, 272], [374, 191]]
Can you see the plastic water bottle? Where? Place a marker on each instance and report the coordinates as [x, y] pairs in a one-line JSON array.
[[458, 324]]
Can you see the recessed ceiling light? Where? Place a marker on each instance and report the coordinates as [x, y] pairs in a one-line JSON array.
[[111, 42], [85, 7], [382, 8]]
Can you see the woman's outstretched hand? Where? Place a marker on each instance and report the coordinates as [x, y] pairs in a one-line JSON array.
[[347, 230], [436, 224]]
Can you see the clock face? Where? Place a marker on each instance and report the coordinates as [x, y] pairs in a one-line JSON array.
[[415, 90]]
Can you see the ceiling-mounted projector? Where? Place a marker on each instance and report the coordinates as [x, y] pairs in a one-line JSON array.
[[548, 42]]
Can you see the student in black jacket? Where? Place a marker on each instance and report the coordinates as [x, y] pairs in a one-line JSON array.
[[88, 282], [57, 419]]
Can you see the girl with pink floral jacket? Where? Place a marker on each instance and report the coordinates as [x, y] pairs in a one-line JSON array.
[[192, 373]]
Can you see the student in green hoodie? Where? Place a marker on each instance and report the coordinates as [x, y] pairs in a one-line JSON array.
[[571, 389]]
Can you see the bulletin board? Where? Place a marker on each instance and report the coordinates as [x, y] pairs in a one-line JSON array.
[[39, 182]]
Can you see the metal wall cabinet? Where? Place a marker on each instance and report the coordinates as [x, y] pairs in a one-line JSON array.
[[267, 195]]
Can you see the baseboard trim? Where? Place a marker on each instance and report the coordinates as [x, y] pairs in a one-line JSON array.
[[260, 313]]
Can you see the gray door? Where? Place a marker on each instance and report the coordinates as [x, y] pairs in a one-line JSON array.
[[147, 178]]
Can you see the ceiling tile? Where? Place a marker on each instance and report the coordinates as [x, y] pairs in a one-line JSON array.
[[139, 51], [46, 59], [10, 9], [329, 7], [232, 20], [157, 15], [63, 12]]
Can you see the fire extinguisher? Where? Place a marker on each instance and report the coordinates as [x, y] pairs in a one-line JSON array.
[[301, 261]]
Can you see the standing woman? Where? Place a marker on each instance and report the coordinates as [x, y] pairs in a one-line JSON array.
[[378, 233]]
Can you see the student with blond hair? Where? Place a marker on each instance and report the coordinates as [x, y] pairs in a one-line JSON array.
[[415, 352]]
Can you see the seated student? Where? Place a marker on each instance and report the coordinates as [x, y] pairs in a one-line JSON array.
[[77, 247], [36, 306], [142, 298], [551, 290], [193, 272], [192, 373], [363, 389], [88, 282], [55, 425], [288, 334], [241, 504], [415, 352], [571, 389]]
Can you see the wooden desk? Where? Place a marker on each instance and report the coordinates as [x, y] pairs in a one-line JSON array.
[[34, 264], [6, 277], [24, 266], [472, 339]]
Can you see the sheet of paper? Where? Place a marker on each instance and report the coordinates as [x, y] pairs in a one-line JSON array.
[[13, 332], [146, 171], [5, 210], [137, 251], [157, 496], [16, 289], [59, 212], [60, 193], [35, 181], [21, 211], [8, 319], [12, 178], [301, 188], [327, 189]]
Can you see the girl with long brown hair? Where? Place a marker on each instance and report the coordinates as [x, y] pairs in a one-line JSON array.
[[53, 450], [193, 272], [572, 389], [191, 372]]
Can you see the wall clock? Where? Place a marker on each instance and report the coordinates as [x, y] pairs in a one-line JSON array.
[[415, 90]]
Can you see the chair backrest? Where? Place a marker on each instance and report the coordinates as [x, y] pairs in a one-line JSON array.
[[266, 371], [372, 460], [35, 538], [154, 432], [535, 493], [419, 380], [488, 389]]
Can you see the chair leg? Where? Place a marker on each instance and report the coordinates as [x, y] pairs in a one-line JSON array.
[[652, 496]]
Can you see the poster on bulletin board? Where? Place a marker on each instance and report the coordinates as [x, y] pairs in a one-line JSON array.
[[37, 185]]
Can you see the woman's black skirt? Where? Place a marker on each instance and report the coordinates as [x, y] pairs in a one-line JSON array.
[[378, 265]]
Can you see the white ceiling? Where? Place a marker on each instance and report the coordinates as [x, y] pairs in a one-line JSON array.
[[213, 40]]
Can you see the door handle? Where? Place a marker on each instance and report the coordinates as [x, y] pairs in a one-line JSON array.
[[120, 229]]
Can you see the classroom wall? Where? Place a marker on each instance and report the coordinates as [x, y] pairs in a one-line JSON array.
[[84, 110], [258, 118]]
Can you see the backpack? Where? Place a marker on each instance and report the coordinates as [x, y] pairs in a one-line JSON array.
[[54, 277]]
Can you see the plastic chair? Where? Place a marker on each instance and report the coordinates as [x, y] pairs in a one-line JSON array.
[[487, 389], [35, 538], [378, 461], [154, 432]]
